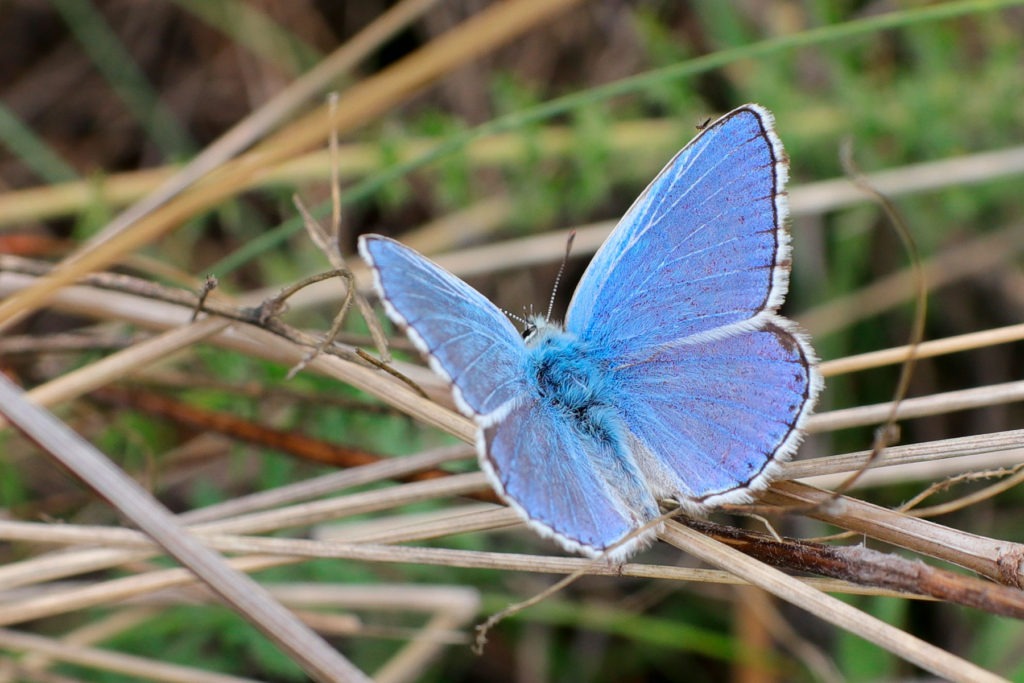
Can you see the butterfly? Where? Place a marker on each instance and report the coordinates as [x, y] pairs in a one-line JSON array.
[[673, 376]]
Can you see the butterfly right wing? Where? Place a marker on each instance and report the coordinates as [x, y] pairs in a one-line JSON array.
[[464, 337], [713, 420], [681, 301], [701, 252]]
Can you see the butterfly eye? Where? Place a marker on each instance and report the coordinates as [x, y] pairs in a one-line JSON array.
[[529, 331]]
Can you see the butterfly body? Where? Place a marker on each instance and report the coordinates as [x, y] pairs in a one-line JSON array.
[[674, 377]]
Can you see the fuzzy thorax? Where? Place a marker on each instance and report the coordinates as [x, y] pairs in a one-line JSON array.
[[573, 380]]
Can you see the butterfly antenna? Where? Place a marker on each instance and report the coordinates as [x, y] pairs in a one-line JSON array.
[[517, 318], [558, 278]]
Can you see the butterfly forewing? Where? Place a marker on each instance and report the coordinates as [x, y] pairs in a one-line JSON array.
[[463, 335], [699, 250]]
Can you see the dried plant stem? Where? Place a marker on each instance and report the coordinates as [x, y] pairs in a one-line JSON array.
[[290, 551], [314, 655], [643, 138], [145, 313], [953, 264], [123, 363], [45, 569], [916, 453], [95, 631], [935, 404], [80, 561], [927, 656], [927, 349], [1012, 477], [140, 667], [862, 565], [999, 560]]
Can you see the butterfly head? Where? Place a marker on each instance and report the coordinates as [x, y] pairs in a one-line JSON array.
[[537, 328]]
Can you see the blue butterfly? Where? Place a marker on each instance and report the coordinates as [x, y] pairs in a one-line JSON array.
[[673, 377]]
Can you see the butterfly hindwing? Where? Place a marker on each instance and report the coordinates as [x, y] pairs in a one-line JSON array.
[[713, 419], [566, 484]]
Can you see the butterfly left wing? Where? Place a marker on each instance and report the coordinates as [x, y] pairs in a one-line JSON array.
[[567, 484], [464, 337]]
